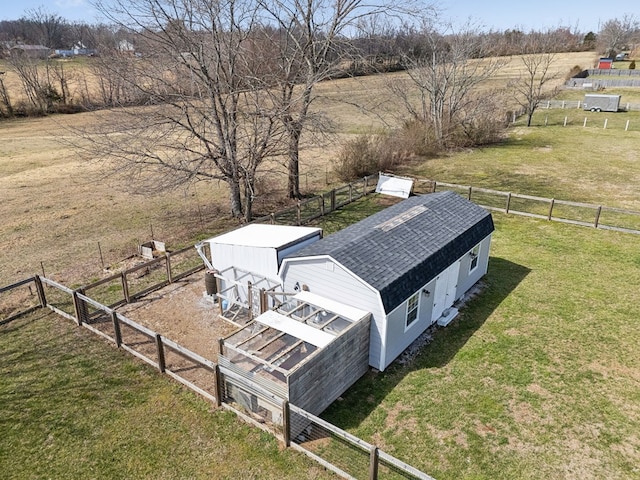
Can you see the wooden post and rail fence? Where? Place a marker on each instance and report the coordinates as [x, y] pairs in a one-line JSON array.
[[208, 378]]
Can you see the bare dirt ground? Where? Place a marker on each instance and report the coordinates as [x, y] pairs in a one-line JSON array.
[[183, 313]]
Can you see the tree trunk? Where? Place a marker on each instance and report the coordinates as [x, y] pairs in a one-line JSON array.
[[293, 188], [529, 118], [234, 198], [248, 202]]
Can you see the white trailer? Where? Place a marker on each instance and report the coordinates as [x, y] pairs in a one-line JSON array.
[[601, 103]]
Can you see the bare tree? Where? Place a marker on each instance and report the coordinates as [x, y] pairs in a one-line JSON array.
[[532, 86], [445, 70], [204, 119], [5, 99], [618, 34], [311, 43]]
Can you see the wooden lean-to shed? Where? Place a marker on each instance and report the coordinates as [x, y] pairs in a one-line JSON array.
[[307, 350], [407, 265]]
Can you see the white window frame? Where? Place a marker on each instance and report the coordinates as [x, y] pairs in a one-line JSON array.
[[413, 307], [475, 258]]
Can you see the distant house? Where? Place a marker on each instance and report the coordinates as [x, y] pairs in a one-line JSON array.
[[31, 51], [126, 46], [407, 265], [605, 63]]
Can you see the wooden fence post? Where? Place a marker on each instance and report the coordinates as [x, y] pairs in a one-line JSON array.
[[321, 197], [77, 308], [272, 216], [373, 463], [169, 273], [350, 193], [286, 423], [40, 289], [116, 328], [434, 187], [263, 301], [160, 348], [469, 195], [298, 212], [506, 210], [365, 187], [125, 287], [597, 220], [217, 385], [553, 201], [333, 200]]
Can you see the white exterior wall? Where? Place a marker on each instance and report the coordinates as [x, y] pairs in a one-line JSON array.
[[466, 280], [398, 336], [260, 260], [326, 278]]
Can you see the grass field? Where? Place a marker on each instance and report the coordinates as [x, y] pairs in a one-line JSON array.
[[75, 407], [538, 378]]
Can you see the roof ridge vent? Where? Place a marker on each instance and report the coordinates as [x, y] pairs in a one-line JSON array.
[[402, 218]]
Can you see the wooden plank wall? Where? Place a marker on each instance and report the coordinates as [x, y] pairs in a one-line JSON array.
[[325, 376]]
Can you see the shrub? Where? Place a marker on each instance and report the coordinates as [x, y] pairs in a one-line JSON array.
[[369, 154], [632, 65], [575, 70]]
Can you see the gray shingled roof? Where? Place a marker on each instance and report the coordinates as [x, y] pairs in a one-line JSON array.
[[403, 247]]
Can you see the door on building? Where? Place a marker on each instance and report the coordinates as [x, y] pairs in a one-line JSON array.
[[445, 291]]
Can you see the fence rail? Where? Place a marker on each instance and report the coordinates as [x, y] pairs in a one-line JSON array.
[[225, 386], [332, 447], [310, 209], [552, 209]]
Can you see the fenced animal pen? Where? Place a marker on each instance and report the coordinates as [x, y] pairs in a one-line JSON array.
[[221, 383]]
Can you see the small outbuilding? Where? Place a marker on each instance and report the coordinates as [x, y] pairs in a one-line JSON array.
[[407, 265], [259, 248], [605, 63]]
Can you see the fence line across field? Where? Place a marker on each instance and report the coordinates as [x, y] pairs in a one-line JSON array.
[[220, 383], [213, 380], [552, 209]]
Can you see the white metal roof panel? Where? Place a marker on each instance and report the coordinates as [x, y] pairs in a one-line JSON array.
[[394, 186], [265, 236], [345, 311], [295, 328]]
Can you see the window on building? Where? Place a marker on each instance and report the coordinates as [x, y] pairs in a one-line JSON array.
[[412, 309], [474, 258]]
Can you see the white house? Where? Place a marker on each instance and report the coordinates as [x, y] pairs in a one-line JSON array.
[[407, 265]]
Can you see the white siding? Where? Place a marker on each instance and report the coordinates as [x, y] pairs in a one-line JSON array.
[[260, 260], [399, 338], [467, 280], [326, 278]]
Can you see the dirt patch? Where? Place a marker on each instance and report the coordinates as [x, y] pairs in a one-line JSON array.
[[183, 313]]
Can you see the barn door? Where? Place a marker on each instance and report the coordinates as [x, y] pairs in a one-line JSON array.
[[445, 291], [439, 296], [452, 284]]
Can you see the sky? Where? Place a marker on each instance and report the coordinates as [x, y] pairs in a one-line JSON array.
[[583, 16]]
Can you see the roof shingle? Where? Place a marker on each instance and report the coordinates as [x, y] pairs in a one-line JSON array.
[[403, 247]]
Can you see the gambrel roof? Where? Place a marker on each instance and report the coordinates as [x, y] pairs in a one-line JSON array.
[[400, 249]]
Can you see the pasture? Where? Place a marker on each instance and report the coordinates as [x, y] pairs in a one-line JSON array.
[[538, 377]]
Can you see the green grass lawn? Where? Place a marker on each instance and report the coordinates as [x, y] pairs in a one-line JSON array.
[[537, 378], [73, 407], [591, 165]]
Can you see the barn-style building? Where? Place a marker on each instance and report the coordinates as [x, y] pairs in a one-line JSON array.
[[407, 265]]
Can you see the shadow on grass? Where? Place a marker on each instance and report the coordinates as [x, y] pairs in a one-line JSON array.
[[365, 395]]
